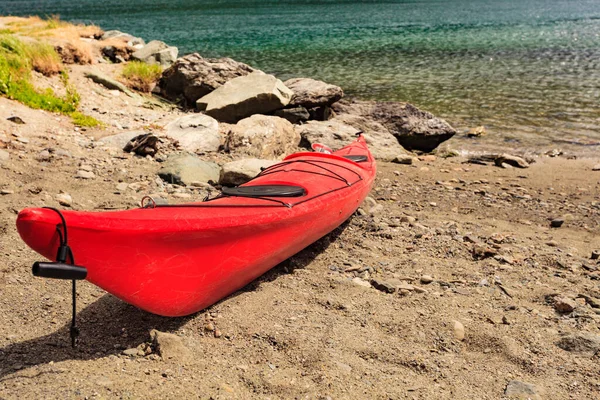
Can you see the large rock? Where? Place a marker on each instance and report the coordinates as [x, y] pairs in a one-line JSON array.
[[186, 168], [192, 77], [256, 93], [238, 172], [413, 128], [311, 93], [157, 52], [263, 136], [337, 134], [195, 133]]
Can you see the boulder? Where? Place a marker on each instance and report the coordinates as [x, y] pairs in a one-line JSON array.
[[157, 52], [413, 128], [192, 77], [263, 136], [185, 168], [238, 172], [294, 114], [255, 93], [311, 93], [587, 344], [195, 133], [339, 132]]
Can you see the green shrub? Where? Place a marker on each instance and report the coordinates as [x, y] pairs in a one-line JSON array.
[[141, 76], [83, 120]]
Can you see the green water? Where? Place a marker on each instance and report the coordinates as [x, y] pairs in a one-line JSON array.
[[529, 70]]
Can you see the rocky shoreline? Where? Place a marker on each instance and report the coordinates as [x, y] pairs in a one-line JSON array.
[[459, 277]]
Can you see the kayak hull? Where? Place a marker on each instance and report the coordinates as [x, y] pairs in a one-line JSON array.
[[177, 260]]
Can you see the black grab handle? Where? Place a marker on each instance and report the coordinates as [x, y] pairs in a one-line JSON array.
[[59, 271]]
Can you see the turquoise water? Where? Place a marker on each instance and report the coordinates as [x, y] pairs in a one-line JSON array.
[[529, 70]]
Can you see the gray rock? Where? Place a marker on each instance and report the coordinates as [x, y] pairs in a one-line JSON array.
[[16, 119], [185, 168], [414, 129], [195, 133], [263, 136], [311, 93], [522, 390], [192, 77], [119, 141], [169, 346], [4, 156], [126, 37], [337, 134], [405, 159], [586, 344], [294, 115], [109, 83], [241, 171], [256, 93], [383, 286], [157, 52], [82, 174]]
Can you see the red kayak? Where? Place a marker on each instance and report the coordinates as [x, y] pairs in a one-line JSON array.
[[175, 260]]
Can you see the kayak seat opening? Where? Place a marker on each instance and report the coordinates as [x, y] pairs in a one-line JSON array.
[[265, 191], [357, 158]]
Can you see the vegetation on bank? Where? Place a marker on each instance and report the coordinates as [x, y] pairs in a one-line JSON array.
[[141, 76], [18, 58]]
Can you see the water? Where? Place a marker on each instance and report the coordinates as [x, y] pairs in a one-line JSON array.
[[528, 70]]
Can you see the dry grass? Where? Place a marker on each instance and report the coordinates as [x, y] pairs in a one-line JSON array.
[[66, 37], [44, 59]]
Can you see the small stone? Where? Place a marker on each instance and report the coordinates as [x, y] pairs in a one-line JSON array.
[[218, 333], [6, 191], [408, 219], [522, 390], [426, 279], [131, 352], [403, 159], [383, 286], [64, 199], [43, 155], [406, 287], [596, 167], [459, 331], [564, 305], [16, 120], [361, 282], [552, 243], [22, 140], [121, 187], [428, 158], [210, 327], [83, 174], [169, 346], [557, 223], [595, 254]]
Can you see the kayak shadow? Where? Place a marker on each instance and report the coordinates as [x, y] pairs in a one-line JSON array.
[[107, 326]]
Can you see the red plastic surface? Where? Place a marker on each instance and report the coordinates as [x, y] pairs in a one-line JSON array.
[[177, 261]]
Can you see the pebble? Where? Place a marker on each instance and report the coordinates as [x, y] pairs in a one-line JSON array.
[[557, 223], [552, 243], [595, 254], [83, 174], [22, 140], [459, 331], [522, 390], [596, 167], [43, 155], [361, 282], [383, 286], [218, 333], [64, 199], [210, 327], [403, 159], [121, 187], [6, 191], [131, 352], [564, 305], [426, 279]]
